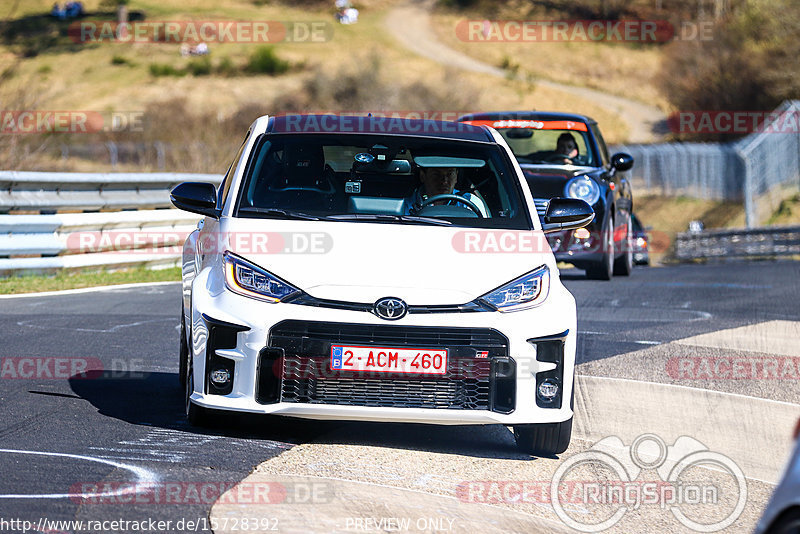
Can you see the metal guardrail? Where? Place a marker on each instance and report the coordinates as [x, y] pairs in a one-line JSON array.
[[37, 191], [44, 242], [738, 243]]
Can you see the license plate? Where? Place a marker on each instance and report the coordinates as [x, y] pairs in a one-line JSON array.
[[389, 360]]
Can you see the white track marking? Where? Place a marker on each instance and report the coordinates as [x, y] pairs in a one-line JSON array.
[[103, 331], [145, 479], [772, 337], [86, 290]]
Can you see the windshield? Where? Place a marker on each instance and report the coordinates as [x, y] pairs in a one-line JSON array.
[[562, 147], [388, 179]]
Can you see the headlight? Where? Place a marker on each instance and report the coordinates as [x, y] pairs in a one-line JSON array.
[[250, 280], [584, 188], [525, 292]]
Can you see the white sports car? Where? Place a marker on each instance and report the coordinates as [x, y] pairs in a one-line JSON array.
[[361, 268]]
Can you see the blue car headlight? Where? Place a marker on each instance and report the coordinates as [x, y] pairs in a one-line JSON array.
[[584, 188], [252, 281], [525, 292]]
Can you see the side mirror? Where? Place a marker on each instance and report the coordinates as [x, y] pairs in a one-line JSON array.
[[567, 214], [196, 197], [622, 161]]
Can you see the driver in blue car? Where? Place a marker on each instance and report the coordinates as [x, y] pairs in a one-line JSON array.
[[566, 147], [440, 181]]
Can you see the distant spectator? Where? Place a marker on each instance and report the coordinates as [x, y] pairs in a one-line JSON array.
[[348, 15], [186, 49], [70, 10], [74, 9], [58, 12], [696, 226], [200, 50]]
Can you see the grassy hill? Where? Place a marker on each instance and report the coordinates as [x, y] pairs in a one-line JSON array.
[[361, 68]]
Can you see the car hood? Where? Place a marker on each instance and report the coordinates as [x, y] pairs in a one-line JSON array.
[[548, 181], [362, 262]]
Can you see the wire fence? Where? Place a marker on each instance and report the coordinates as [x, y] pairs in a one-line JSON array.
[[700, 170], [749, 170]]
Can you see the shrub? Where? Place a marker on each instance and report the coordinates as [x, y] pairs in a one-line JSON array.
[[163, 69], [226, 67], [120, 60], [263, 60], [748, 64], [200, 66]]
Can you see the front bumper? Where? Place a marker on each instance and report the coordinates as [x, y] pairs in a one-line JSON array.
[[278, 357]]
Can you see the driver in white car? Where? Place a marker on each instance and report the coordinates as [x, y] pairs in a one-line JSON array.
[[440, 181]]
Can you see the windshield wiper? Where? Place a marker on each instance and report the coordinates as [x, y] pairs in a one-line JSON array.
[[426, 220], [409, 219], [275, 212]]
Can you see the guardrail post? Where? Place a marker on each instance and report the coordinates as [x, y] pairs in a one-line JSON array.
[[749, 203], [113, 153], [159, 146]]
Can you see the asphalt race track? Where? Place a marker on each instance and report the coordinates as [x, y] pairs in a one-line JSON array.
[[121, 426]]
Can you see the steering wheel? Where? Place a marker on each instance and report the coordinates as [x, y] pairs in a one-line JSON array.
[[558, 157], [448, 196]]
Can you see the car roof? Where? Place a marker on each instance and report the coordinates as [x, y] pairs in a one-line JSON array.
[[377, 125], [527, 115]]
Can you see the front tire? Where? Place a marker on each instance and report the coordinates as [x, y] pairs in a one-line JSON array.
[[183, 354], [787, 523], [604, 269], [624, 265], [543, 439], [196, 415]]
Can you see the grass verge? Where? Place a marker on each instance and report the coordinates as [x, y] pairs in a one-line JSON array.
[[74, 280]]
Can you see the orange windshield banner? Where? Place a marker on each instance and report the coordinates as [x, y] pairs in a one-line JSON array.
[[529, 123]]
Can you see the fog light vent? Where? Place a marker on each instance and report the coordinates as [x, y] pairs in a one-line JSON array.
[[548, 390], [220, 377]]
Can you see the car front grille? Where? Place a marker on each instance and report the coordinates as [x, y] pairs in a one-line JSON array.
[[541, 205], [468, 384]]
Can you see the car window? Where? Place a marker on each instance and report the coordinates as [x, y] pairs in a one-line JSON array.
[[225, 186], [340, 176], [539, 146], [601, 143]]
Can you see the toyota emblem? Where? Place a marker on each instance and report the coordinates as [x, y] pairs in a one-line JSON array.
[[390, 308]]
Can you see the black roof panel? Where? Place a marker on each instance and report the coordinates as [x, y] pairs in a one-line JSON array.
[[376, 125]]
